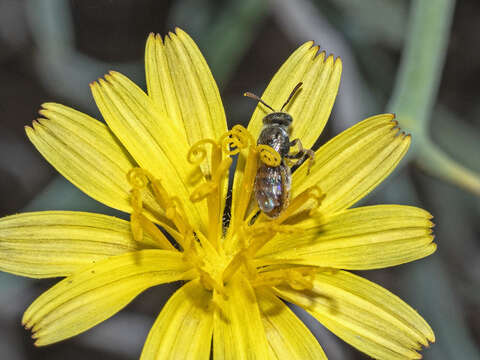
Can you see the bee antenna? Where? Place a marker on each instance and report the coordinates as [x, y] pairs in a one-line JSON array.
[[295, 89], [255, 97]]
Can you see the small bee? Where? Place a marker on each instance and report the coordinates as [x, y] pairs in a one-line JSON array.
[[272, 184]]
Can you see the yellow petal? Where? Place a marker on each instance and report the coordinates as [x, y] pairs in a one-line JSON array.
[[86, 152], [311, 106], [179, 78], [93, 294], [364, 314], [238, 329], [160, 86], [58, 243], [184, 328], [363, 238], [199, 100], [288, 337], [353, 163], [150, 138], [181, 83]]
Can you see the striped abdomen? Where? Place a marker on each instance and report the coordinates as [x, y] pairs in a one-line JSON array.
[[272, 188]]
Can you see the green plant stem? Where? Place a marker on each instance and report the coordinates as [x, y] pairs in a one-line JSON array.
[[417, 86], [422, 62], [436, 162]]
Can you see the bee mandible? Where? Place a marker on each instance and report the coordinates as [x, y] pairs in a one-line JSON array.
[[272, 184]]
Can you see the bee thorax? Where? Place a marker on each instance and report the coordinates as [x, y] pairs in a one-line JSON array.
[[277, 137]]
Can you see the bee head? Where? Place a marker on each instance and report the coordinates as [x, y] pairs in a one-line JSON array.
[[276, 117], [280, 118]]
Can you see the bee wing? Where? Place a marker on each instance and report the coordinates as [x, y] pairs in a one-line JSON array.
[[272, 188]]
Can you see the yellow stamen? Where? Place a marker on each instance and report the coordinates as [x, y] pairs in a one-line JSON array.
[[236, 140], [240, 205], [152, 230], [262, 233], [190, 254], [172, 205], [197, 153], [139, 180], [239, 138], [233, 266], [311, 193], [298, 278], [209, 282], [194, 254], [207, 188], [268, 155], [136, 227], [212, 189]]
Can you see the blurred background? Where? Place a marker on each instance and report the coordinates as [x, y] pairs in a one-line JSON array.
[[419, 59]]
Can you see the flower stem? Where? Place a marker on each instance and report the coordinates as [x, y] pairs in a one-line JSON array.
[[417, 86], [422, 62]]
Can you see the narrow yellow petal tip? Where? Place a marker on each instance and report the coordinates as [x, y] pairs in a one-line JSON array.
[[179, 31], [321, 56], [35, 125], [330, 59], [52, 105], [108, 77], [102, 82], [114, 73], [408, 137], [309, 43]]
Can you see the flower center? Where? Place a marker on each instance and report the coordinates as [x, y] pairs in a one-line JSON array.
[[221, 253]]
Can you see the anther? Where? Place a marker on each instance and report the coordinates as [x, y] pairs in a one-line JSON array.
[[205, 189], [312, 193], [137, 178], [197, 153], [236, 139], [268, 155]]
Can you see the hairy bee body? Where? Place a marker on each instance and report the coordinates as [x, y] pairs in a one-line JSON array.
[[272, 188], [272, 184]]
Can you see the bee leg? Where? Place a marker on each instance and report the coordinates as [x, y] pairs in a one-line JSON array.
[[254, 218], [302, 155]]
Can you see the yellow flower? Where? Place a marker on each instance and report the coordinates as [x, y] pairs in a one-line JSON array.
[[165, 159]]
